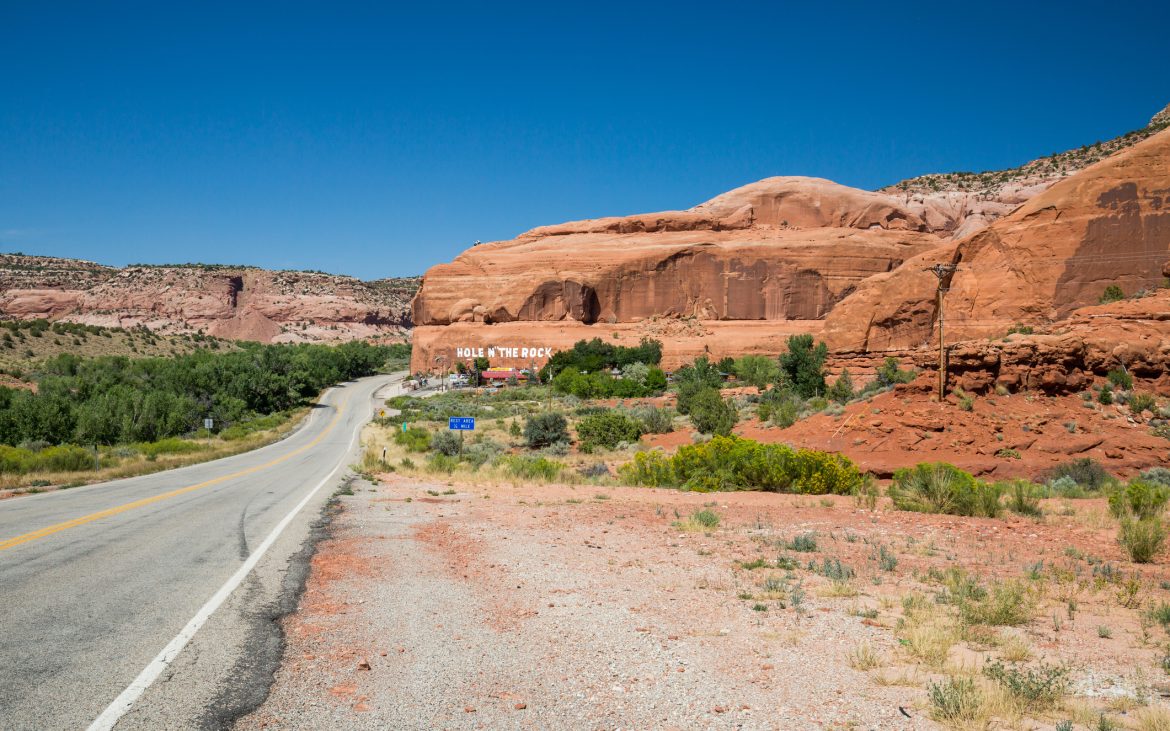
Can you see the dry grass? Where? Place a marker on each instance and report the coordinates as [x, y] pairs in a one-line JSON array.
[[1093, 518], [930, 643], [1151, 719], [1015, 649], [907, 678], [864, 657], [838, 590]]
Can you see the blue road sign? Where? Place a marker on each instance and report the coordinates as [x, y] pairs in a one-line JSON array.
[[461, 423]]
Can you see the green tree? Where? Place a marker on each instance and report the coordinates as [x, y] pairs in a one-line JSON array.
[[711, 413], [803, 366], [636, 372], [842, 389], [757, 370]]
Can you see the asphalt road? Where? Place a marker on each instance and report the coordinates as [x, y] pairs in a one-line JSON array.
[[96, 581]]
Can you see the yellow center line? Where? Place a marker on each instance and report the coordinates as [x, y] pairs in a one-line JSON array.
[[58, 527]]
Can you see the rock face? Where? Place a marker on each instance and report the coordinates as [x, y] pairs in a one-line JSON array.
[[235, 303], [1107, 225], [780, 249], [808, 255], [965, 203]]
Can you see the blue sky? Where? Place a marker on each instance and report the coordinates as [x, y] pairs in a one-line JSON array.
[[377, 139]]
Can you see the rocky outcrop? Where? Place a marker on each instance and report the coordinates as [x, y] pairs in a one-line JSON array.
[[779, 249], [809, 255], [1107, 225], [964, 203], [229, 302]]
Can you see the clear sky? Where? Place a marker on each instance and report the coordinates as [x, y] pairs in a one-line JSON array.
[[377, 139]]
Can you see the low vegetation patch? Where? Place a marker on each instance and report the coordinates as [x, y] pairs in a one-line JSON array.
[[939, 487], [732, 463], [607, 430]]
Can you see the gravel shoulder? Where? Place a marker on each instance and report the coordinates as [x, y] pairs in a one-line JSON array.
[[436, 605]]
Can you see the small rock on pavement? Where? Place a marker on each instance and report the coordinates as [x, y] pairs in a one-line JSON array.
[[520, 706], [364, 664]]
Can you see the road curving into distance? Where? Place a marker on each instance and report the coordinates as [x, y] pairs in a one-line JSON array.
[[150, 602]]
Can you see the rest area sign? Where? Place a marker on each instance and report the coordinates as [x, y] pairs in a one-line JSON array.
[[461, 423]]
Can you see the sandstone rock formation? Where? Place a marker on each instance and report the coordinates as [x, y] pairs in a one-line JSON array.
[[740, 272], [1109, 224], [229, 302], [965, 203], [780, 249]]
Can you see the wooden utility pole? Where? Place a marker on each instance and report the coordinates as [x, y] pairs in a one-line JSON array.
[[942, 271]]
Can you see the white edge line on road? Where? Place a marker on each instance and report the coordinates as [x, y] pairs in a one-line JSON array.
[[125, 701]]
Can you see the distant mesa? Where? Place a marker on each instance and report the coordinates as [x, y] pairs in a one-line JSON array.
[[233, 302]]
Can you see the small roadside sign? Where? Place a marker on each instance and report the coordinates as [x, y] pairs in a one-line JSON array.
[[208, 423], [461, 423], [382, 414]]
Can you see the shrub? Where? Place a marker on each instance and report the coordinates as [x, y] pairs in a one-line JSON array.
[[966, 400], [1039, 688], [756, 370], [1112, 293], [482, 452], [1120, 379], [943, 488], [803, 543], [532, 468], [889, 374], [803, 366], [732, 463], [711, 413], [954, 700], [439, 462], [1084, 471], [415, 439], [636, 372], [835, 571], [556, 449], [1141, 538], [705, 518], [65, 458], [170, 445], [653, 469], [1157, 476], [1023, 497], [842, 389], [607, 430], [1140, 499], [447, 443], [1008, 604], [1105, 396], [655, 421], [1140, 402], [780, 406], [603, 385], [597, 469], [542, 430]]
